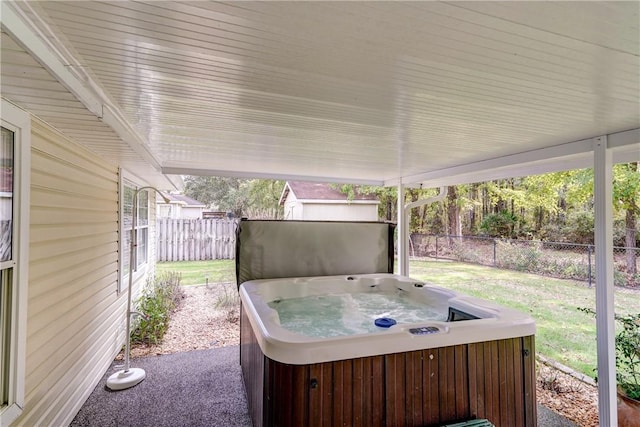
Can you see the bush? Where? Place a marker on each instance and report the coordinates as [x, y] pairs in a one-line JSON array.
[[578, 228], [159, 298], [627, 343], [517, 257], [229, 301], [500, 224], [577, 271], [464, 252], [628, 355]]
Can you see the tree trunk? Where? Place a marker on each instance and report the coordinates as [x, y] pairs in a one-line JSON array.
[[453, 212], [485, 202], [630, 224], [423, 218], [473, 195], [630, 240], [539, 214], [562, 205]]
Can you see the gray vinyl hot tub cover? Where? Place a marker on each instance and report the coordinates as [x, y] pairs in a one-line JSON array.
[[276, 249]]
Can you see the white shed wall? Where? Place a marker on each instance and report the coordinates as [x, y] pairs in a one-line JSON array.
[[191, 213], [75, 316], [330, 210], [340, 212], [293, 209], [177, 211]]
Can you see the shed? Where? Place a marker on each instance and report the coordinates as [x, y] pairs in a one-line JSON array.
[[310, 201], [179, 207]]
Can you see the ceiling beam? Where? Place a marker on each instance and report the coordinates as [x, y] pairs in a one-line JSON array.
[[254, 175], [572, 155]]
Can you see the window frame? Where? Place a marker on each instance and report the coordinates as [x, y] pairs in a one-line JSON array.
[[141, 265], [19, 122]]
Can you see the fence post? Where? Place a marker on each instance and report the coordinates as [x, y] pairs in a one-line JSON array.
[[589, 250], [494, 252], [436, 248]]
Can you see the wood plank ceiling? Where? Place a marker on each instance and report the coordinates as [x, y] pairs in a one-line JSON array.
[[343, 91]]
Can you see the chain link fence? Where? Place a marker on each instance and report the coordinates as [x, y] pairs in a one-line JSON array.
[[555, 259]]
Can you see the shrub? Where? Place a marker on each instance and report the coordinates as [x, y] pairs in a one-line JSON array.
[[578, 228], [627, 343], [160, 296], [517, 257], [628, 355], [577, 271], [500, 224], [467, 253], [229, 301]]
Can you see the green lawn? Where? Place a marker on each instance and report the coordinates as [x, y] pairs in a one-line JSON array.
[[564, 333], [199, 272]]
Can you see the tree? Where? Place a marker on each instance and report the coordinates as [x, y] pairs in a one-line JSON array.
[[388, 197], [255, 198], [216, 192], [626, 195], [264, 198], [453, 212], [501, 224]]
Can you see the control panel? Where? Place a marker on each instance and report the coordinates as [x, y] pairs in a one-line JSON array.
[[424, 330]]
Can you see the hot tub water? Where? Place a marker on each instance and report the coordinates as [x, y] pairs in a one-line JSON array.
[[332, 315]]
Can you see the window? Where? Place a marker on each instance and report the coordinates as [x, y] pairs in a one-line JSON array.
[[14, 238], [6, 259], [142, 230]]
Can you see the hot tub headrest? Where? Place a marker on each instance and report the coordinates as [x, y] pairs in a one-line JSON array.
[[275, 249]]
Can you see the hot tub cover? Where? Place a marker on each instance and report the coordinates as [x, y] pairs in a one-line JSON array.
[[278, 249]]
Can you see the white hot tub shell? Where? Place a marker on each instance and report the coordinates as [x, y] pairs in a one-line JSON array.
[[278, 343]]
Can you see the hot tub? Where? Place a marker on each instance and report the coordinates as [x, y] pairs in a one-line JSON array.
[[465, 358]]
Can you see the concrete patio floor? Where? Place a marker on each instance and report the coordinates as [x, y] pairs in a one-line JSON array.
[[196, 388]]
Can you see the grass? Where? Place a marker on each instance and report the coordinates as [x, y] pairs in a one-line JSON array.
[[564, 333], [199, 272]]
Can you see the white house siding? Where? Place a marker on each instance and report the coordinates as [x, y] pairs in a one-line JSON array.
[[340, 212], [75, 317], [191, 212]]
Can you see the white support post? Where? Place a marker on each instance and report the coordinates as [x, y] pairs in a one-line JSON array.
[[605, 331], [403, 242]]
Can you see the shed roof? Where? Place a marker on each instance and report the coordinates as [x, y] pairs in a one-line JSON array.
[[320, 191], [181, 199]]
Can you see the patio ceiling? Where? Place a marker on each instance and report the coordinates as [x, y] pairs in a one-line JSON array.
[[365, 92]]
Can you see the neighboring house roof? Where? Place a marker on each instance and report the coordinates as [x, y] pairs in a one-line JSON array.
[[182, 200], [320, 191]]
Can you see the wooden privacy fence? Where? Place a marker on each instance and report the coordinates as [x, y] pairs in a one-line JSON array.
[[195, 239]]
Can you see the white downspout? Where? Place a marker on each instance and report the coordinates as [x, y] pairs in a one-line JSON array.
[[403, 257], [404, 217], [605, 327]]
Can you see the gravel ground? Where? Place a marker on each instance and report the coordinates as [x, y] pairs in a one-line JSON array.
[[567, 396], [199, 324]]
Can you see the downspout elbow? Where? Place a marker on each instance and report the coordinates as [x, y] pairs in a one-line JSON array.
[[438, 197]]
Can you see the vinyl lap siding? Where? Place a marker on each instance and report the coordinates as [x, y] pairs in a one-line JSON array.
[[340, 211], [75, 317]]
